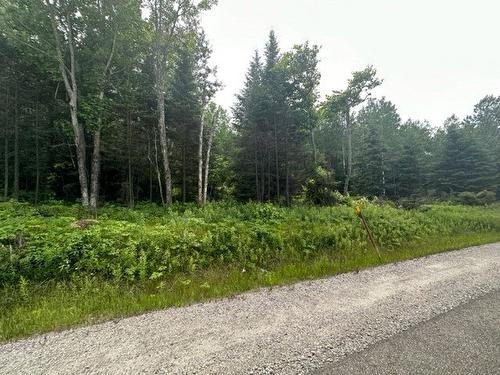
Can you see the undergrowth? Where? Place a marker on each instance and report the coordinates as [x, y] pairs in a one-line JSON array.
[[58, 268]]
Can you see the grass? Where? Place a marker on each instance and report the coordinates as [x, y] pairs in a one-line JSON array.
[[31, 308]]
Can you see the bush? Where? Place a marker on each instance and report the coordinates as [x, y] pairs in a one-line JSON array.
[[486, 197], [471, 199], [51, 242], [467, 198], [320, 188]]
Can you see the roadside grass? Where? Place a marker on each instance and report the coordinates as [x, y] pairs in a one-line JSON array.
[[28, 308]]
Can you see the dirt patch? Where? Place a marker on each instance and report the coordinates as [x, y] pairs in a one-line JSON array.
[[83, 223]]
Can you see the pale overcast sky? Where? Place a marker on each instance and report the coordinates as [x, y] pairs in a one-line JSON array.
[[437, 57]]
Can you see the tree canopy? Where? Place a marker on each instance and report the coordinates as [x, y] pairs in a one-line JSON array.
[[101, 101]]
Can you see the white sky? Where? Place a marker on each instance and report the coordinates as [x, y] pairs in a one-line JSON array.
[[437, 57]]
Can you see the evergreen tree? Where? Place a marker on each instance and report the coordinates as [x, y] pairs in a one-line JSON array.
[[91, 86], [377, 148], [413, 161], [184, 116], [342, 103], [247, 115], [370, 171], [274, 116], [463, 165]]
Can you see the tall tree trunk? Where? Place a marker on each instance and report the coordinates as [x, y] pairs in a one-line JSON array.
[[262, 177], [95, 169], [344, 167], [95, 172], [69, 78], [287, 171], [349, 152], [207, 165], [268, 174], [6, 146], [81, 152], [131, 196], [201, 197], [130, 182], [257, 193], [150, 169], [383, 177], [313, 139], [15, 191], [276, 156], [158, 173], [37, 154], [6, 163], [150, 184], [162, 33], [164, 144], [184, 171]]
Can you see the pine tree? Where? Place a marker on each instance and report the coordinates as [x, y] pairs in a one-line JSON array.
[[184, 117], [377, 125], [370, 171], [248, 114], [463, 166], [413, 161]]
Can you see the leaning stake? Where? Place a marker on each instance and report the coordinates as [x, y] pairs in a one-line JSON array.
[[365, 225]]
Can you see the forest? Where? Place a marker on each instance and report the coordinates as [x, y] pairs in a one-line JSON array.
[[112, 101], [126, 188]]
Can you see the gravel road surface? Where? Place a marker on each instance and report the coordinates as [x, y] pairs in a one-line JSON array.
[[465, 340], [297, 329]]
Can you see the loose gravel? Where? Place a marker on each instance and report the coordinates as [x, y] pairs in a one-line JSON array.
[[286, 330]]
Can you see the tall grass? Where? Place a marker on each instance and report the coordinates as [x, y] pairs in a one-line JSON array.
[[57, 270]]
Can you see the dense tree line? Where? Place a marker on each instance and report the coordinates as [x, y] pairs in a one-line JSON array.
[[112, 101], [274, 116], [397, 159]]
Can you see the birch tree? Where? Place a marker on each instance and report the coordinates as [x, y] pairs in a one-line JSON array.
[[85, 37], [63, 17], [358, 90], [170, 20], [212, 117]]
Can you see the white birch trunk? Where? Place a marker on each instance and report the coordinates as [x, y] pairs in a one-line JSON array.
[[201, 194], [207, 165]]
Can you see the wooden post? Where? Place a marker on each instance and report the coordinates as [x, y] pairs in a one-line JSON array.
[[370, 235]]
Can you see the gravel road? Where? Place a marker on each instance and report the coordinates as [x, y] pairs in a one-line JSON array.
[[465, 340], [288, 330]]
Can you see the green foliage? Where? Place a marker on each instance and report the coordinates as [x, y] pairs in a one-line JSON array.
[[53, 241], [275, 115], [467, 198], [58, 268], [464, 164], [320, 188], [357, 91], [484, 197]]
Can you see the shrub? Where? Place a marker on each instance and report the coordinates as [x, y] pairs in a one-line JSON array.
[[320, 188], [486, 197], [468, 198], [45, 243]]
